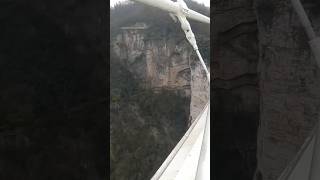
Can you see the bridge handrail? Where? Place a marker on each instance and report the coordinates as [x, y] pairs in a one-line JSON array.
[[176, 149], [292, 164]]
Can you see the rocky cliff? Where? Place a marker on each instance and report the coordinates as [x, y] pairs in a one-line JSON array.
[[235, 89], [159, 62], [289, 84], [157, 88], [265, 83], [264, 74], [164, 61]]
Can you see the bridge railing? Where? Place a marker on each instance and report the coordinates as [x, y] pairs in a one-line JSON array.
[[291, 167], [182, 144]]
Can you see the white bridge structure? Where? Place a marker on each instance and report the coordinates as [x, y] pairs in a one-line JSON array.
[[185, 162], [190, 159]]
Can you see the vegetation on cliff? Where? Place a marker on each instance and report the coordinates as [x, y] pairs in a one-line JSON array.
[[144, 125]]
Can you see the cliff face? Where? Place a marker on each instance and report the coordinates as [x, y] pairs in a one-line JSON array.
[[289, 84], [235, 89], [262, 59], [156, 82], [159, 62], [264, 79], [164, 61]]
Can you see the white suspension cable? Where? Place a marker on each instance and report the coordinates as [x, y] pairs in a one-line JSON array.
[[203, 169], [204, 66], [175, 7]]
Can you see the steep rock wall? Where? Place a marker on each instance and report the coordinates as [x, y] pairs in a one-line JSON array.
[[235, 89], [163, 62], [289, 85]]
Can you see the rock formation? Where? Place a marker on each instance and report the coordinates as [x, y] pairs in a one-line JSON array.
[[262, 59], [235, 91], [289, 85], [156, 82], [163, 63]]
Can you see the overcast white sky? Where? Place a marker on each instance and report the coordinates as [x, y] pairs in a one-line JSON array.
[[205, 2]]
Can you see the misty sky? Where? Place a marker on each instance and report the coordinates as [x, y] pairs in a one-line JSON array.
[[205, 2]]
